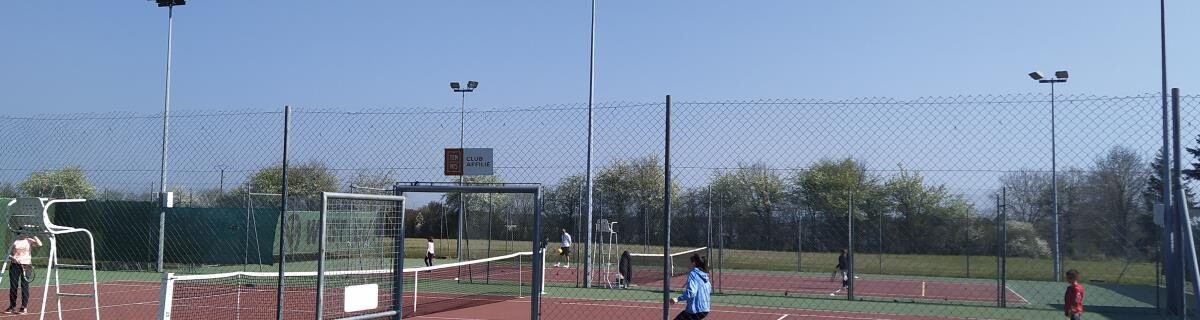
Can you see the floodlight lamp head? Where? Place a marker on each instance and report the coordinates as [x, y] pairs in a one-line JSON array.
[[472, 84], [1061, 74], [1036, 75], [170, 3], [454, 85]]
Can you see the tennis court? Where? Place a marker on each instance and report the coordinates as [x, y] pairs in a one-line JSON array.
[[609, 309], [865, 287], [823, 286], [118, 300]]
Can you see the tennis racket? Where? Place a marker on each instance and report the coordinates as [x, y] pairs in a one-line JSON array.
[[28, 274]]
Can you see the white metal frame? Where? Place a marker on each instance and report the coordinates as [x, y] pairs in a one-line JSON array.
[[607, 250], [38, 223]]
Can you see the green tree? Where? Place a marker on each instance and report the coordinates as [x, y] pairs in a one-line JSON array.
[[565, 204], [478, 202], [485, 215], [631, 193], [924, 210], [305, 180], [751, 195], [68, 182], [689, 224], [8, 191], [827, 185], [825, 190], [379, 179]]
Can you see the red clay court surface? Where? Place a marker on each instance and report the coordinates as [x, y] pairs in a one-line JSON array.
[[118, 300], [556, 308], [139, 300]]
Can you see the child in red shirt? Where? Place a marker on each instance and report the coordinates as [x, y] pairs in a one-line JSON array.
[[1073, 299]]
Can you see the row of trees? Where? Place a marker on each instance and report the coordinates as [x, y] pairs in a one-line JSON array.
[[1106, 208]]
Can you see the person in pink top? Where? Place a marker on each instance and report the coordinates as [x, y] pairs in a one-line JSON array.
[[22, 267]]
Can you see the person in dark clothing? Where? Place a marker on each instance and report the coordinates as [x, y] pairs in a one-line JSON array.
[[843, 267], [21, 271], [625, 268]]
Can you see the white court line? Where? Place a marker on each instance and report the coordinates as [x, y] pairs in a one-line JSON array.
[[781, 318], [872, 294], [793, 310], [780, 312], [48, 311], [922, 288], [445, 318], [1016, 293]]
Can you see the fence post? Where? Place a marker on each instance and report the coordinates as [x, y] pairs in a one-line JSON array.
[[667, 214], [279, 289], [999, 292], [1004, 248], [967, 243], [721, 251], [850, 246]]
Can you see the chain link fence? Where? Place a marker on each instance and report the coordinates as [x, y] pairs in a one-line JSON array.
[[945, 204]]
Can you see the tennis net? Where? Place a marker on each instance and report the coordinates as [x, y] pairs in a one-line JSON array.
[[427, 290], [648, 267]]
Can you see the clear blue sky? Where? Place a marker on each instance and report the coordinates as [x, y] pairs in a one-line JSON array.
[[100, 56]]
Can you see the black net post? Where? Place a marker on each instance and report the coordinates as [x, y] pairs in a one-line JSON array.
[[539, 259], [287, 112]]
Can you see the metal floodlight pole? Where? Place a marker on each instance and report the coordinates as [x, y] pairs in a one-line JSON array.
[[587, 263], [462, 179], [462, 134], [1170, 254], [162, 177], [1059, 77], [1054, 182]]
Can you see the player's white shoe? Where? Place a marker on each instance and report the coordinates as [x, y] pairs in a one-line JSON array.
[[556, 265]]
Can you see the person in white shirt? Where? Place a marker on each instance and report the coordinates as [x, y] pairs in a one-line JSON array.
[[22, 268], [428, 251], [565, 247]]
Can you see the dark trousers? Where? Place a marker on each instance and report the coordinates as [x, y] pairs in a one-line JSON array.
[[17, 280], [691, 316], [428, 259]]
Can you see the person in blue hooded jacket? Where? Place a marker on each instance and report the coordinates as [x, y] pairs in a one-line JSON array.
[[696, 292]]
